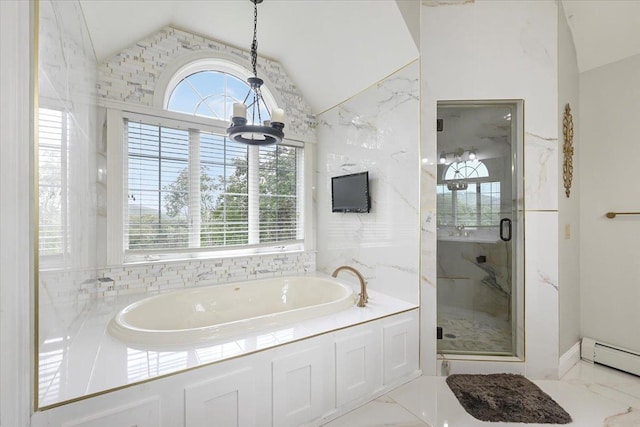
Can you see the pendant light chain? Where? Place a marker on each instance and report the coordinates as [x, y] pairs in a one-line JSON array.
[[256, 131], [254, 44]]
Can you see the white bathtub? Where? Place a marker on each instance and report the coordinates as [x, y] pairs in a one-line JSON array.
[[200, 315]]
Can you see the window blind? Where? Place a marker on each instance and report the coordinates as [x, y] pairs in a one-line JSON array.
[[189, 189], [156, 214], [278, 193], [52, 176]]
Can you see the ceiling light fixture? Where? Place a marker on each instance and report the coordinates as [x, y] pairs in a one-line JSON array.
[[257, 132], [458, 156]]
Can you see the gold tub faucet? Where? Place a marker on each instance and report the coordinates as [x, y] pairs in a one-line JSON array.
[[364, 298]]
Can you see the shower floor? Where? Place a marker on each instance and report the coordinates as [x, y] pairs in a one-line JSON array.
[[470, 332]]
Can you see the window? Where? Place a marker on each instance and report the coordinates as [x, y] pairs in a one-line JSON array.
[[53, 139], [466, 170], [209, 94], [189, 188], [467, 196]]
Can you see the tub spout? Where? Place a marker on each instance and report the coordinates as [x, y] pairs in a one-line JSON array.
[[364, 298]]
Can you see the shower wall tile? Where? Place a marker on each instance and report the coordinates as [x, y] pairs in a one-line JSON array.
[[376, 131], [133, 74], [469, 67]]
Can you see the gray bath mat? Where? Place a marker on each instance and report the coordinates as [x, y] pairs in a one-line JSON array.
[[506, 398]]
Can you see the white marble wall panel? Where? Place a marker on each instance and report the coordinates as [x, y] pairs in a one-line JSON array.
[[499, 50], [541, 296], [541, 166], [376, 131], [428, 236]]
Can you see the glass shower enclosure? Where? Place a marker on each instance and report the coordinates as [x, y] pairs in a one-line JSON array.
[[480, 228]]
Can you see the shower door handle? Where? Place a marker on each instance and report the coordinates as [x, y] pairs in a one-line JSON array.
[[505, 229]]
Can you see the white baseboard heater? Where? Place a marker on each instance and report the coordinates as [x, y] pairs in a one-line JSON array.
[[610, 355]]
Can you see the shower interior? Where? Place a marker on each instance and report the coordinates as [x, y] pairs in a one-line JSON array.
[[479, 211]]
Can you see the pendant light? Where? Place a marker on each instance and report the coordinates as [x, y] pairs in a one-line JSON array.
[[257, 131]]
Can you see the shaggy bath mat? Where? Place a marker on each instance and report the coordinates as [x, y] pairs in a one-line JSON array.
[[507, 398]]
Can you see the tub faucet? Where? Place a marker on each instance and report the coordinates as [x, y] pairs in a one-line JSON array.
[[364, 298]]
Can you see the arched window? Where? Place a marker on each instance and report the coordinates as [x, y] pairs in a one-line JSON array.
[[209, 94], [208, 87], [469, 169], [191, 188], [468, 196]]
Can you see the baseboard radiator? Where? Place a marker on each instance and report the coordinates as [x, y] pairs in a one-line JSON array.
[[610, 355]]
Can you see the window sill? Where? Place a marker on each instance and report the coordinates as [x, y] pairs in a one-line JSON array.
[[151, 258]]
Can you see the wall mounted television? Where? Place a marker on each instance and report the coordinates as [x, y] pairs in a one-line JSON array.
[[350, 193]]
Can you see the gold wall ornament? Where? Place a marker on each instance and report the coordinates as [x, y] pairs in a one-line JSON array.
[[567, 148]]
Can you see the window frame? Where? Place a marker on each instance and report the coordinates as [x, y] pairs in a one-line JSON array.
[[168, 82], [475, 181], [116, 194], [116, 155], [477, 185]]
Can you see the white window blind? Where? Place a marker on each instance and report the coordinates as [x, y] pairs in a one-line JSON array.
[[189, 189], [157, 193], [53, 158], [278, 201]]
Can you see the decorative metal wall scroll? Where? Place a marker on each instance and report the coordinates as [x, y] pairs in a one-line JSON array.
[[567, 148]]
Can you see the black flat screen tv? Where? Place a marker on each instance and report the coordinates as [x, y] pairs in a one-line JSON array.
[[350, 193]]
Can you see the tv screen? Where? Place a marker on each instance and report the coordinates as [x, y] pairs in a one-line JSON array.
[[350, 193]]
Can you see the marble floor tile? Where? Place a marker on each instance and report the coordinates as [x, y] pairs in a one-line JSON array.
[[383, 411], [630, 418], [595, 396]]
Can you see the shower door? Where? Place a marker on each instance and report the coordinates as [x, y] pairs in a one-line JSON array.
[[479, 214]]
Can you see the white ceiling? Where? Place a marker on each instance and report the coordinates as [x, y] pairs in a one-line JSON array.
[[603, 31], [333, 49]]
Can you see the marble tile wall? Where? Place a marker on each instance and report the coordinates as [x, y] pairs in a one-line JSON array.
[[499, 50], [140, 278], [132, 74], [375, 131]]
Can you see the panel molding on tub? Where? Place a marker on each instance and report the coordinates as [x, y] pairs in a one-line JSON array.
[[227, 400], [358, 365], [140, 413], [297, 387], [400, 348]]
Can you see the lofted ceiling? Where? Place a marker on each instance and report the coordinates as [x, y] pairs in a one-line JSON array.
[[333, 49], [603, 31]]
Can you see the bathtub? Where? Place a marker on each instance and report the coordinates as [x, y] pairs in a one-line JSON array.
[[201, 315]]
